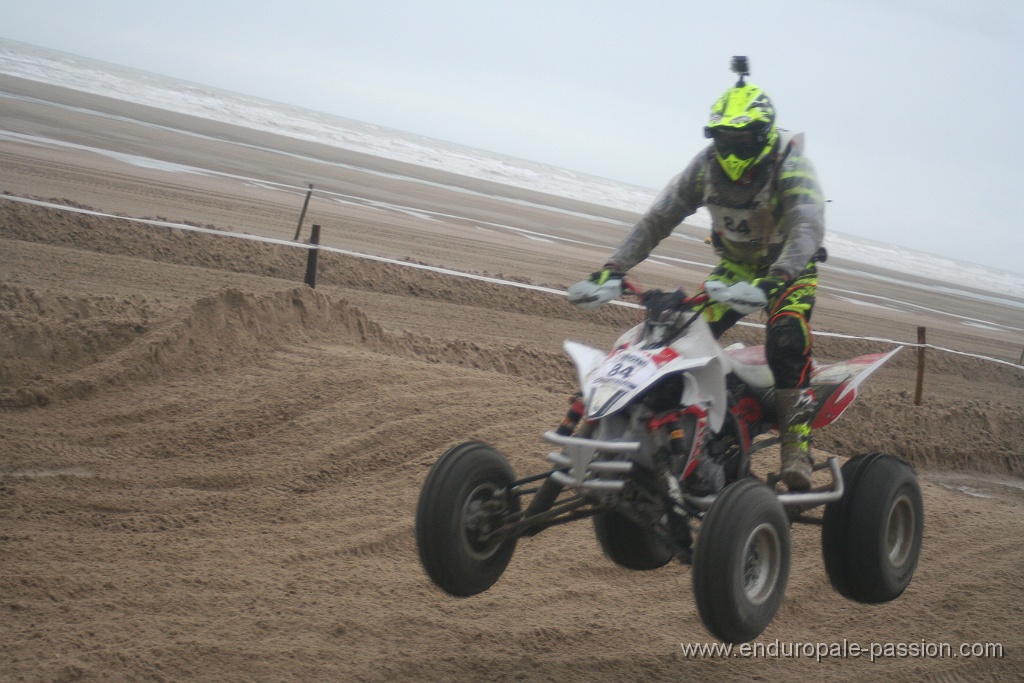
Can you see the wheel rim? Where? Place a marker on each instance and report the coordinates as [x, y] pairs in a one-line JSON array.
[[899, 531], [477, 522], [762, 560]]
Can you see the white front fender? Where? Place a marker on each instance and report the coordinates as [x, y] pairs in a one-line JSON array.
[[705, 385], [585, 358]]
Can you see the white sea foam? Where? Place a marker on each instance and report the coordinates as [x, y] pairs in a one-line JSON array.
[[79, 73]]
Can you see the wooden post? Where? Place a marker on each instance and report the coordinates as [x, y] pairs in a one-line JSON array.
[[920, 365], [302, 216], [314, 239]]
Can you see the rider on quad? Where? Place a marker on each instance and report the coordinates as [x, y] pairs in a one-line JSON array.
[[767, 226]]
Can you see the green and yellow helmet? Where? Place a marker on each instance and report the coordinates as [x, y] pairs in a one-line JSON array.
[[742, 126]]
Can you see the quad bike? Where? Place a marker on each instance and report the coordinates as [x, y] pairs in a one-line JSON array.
[[656, 448]]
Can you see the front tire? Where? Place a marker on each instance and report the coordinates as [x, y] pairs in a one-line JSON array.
[[741, 563], [628, 544], [464, 498], [871, 539]]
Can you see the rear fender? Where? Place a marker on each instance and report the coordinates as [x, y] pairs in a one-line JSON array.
[[835, 386]]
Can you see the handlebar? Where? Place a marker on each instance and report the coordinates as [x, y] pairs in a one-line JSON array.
[[697, 299], [630, 288]]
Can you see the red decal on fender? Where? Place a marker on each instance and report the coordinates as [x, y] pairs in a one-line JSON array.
[[666, 355], [838, 402]]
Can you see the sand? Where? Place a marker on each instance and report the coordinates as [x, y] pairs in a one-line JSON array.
[[208, 471]]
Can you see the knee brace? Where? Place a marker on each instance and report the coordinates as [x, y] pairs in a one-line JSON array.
[[788, 348]]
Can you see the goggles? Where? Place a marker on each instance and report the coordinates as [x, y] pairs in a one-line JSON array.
[[742, 144]]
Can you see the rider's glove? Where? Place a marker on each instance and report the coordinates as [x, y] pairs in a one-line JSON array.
[[742, 297], [607, 273], [771, 285], [598, 289]]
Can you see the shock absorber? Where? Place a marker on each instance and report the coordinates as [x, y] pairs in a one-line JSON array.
[[677, 437], [678, 523], [676, 434], [572, 417], [550, 489]]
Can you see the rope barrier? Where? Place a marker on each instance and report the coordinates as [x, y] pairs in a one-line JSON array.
[[444, 271]]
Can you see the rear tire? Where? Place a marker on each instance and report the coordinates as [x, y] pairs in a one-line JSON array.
[[871, 539], [741, 564], [464, 497], [628, 544]]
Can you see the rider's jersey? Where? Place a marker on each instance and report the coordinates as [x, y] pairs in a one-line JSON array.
[[775, 221]]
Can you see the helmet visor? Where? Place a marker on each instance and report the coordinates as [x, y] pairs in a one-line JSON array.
[[743, 144]]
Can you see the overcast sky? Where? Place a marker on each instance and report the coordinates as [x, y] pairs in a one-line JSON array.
[[912, 108]]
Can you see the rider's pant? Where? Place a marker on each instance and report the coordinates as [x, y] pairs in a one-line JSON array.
[[788, 341]]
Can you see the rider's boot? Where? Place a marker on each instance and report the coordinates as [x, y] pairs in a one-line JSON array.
[[795, 408]]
